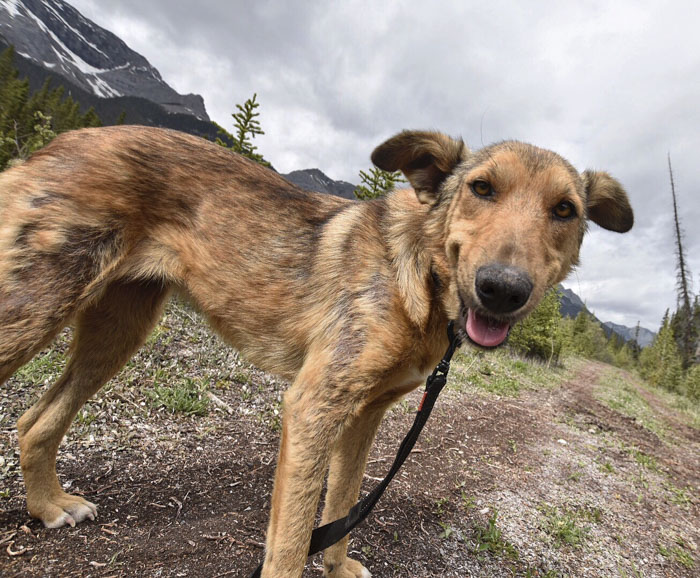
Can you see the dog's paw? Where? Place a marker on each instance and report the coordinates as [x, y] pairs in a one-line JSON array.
[[348, 569], [64, 510]]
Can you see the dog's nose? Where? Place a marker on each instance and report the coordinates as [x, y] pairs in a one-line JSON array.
[[502, 288]]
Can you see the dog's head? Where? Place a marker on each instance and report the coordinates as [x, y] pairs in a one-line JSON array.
[[504, 223]]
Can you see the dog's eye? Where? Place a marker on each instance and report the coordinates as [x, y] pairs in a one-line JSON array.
[[482, 188], [565, 210]]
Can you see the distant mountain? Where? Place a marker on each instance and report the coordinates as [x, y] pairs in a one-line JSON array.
[[628, 333], [315, 180], [55, 36], [570, 305]]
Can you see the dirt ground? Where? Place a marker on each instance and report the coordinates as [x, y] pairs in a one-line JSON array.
[[521, 471]]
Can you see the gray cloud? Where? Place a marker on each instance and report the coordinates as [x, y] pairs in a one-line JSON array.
[[611, 86]]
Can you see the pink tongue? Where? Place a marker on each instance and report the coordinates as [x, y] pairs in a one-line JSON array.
[[485, 331]]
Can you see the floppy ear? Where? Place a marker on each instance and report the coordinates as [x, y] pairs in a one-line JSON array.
[[607, 202], [426, 158]]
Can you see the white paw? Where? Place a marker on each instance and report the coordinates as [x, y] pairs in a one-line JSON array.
[[72, 514], [65, 519]]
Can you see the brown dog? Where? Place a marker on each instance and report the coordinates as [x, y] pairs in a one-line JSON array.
[[347, 300]]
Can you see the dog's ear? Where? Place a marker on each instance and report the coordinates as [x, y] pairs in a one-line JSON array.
[[607, 202], [426, 158]]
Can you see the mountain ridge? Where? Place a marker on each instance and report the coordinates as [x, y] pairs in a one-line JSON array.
[[316, 180], [57, 37]]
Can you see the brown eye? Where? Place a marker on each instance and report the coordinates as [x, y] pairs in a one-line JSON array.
[[565, 210], [482, 188]]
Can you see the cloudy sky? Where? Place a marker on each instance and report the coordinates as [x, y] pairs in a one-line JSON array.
[[609, 85]]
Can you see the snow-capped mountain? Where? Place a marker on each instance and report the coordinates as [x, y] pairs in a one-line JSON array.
[[55, 36]]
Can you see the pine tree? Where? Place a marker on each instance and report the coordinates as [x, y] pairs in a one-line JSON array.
[[588, 339], [691, 383], [635, 348], [30, 121], [90, 119], [377, 183], [683, 327], [13, 97], [247, 128], [661, 362], [540, 334]]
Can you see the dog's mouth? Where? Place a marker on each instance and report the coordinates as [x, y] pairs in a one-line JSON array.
[[486, 331], [483, 330]]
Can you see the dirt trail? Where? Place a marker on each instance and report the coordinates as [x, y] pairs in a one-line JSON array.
[[550, 483]]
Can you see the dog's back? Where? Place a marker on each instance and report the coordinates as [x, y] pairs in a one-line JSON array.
[[97, 206]]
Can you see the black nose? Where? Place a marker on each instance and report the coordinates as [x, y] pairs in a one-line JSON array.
[[502, 288]]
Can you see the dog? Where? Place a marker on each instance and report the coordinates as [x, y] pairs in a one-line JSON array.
[[347, 300]]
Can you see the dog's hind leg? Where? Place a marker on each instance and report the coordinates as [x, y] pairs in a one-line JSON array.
[[28, 323], [107, 333], [344, 480]]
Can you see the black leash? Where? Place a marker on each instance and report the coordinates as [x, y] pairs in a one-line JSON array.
[[328, 534]]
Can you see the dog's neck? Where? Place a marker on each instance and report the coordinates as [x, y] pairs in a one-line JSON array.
[[415, 246]]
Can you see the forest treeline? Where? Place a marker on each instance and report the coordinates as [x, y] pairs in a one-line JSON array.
[[548, 336]]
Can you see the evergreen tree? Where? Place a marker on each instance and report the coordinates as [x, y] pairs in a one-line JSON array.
[[377, 183], [247, 128], [661, 362], [634, 344], [30, 121], [540, 334], [588, 339], [683, 327], [13, 97], [90, 119], [691, 383]]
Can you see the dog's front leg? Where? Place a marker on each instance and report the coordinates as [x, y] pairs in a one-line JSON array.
[[314, 415], [347, 468]]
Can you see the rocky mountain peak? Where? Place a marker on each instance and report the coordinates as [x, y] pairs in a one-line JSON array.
[[54, 35]]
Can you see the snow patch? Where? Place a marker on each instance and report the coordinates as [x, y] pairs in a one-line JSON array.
[[27, 56], [12, 7], [70, 59], [75, 31], [100, 87]]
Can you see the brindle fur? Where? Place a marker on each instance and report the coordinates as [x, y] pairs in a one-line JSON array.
[[347, 300]]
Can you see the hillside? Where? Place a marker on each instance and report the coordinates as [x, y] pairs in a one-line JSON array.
[[521, 471]]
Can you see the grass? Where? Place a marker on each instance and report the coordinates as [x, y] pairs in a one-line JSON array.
[[617, 392], [488, 538], [44, 368], [566, 526], [646, 461], [185, 396], [447, 530], [677, 552], [440, 506], [679, 496], [500, 373]]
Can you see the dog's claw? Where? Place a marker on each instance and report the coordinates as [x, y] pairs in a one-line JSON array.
[[68, 511]]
